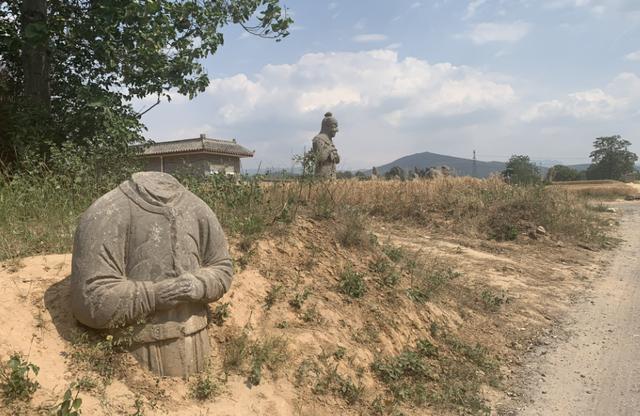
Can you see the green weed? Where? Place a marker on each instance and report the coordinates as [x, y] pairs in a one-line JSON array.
[[352, 284], [299, 298], [273, 295], [104, 355], [429, 278], [139, 406], [312, 315], [87, 383], [271, 353], [220, 314], [395, 253], [380, 265], [422, 377], [339, 385], [204, 387], [367, 334], [71, 404], [15, 381], [352, 230], [492, 301], [241, 355]]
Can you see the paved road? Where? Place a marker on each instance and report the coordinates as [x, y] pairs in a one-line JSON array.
[[597, 371]]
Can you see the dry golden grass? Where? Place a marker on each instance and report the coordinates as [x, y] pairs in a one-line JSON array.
[[605, 189], [38, 216], [463, 205]]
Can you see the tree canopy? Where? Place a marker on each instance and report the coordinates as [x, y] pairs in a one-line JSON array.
[[521, 171], [564, 173], [611, 158], [70, 68], [396, 172]]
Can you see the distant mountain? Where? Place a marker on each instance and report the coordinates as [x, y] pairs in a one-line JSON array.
[[546, 163], [581, 167], [463, 167]]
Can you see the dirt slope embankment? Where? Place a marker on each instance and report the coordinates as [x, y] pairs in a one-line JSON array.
[[416, 322]]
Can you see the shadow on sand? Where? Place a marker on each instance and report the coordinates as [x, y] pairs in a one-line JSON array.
[[57, 300]]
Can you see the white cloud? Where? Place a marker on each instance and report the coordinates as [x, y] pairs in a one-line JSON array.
[[618, 100], [633, 56], [394, 46], [598, 7], [332, 5], [415, 5], [360, 24], [486, 32], [472, 7], [376, 83], [390, 103], [369, 37]]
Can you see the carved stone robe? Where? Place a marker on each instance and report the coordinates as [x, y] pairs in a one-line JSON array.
[[326, 156], [148, 229]]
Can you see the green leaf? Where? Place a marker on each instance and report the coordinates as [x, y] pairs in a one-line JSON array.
[[77, 403]]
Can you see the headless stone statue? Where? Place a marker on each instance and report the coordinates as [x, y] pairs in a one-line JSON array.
[[150, 251], [325, 151]]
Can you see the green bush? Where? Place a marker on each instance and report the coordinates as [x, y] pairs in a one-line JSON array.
[[15, 382], [352, 283], [204, 388], [70, 405]]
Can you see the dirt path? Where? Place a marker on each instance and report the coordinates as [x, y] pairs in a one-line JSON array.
[[597, 370]]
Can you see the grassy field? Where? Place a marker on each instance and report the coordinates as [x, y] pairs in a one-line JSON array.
[[38, 214], [602, 189]]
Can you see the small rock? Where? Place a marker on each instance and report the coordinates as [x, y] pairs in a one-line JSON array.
[[612, 210]]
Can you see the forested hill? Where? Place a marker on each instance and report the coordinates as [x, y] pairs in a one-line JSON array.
[[463, 167]]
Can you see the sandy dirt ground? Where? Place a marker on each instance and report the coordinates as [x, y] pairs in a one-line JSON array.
[[594, 370], [537, 278]]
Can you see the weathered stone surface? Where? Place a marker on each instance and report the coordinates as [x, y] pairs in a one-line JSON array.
[[438, 172], [151, 254], [325, 152], [374, 173]]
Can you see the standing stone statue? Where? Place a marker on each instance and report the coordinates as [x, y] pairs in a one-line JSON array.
[[325, 152], [151, 254]]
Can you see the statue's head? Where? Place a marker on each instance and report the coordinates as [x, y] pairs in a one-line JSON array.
[[329, 125]]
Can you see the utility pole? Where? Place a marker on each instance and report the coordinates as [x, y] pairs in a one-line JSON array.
[[475, 165]]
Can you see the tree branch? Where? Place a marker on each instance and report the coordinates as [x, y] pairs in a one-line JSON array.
[[149, 109]]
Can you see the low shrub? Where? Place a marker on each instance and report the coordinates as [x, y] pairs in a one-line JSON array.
[[15, 380], [352, 284]]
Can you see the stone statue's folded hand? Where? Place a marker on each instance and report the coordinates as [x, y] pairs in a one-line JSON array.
[[170, 292]]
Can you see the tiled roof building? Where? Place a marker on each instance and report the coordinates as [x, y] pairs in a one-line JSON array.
[[200, 156]]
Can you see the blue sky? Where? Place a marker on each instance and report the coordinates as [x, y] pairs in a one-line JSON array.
[[503, 77]]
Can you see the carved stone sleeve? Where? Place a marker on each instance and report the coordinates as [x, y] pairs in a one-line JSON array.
[[216, 272], [101, 294]]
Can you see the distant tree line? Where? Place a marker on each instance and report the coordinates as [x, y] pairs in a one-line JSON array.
[[610, 159]]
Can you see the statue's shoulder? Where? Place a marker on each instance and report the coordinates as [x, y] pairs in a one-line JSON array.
[[321, 139], [109, 207]]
